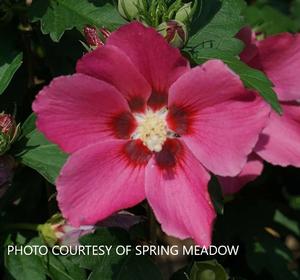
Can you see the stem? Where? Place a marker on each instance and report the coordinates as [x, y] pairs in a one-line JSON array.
[[20, 226]]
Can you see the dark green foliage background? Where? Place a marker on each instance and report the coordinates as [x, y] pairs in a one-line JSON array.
[[42, 41]]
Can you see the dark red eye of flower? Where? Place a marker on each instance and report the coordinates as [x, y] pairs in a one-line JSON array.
[[123, 125], [170, 155], [157, 100], [179, 119]]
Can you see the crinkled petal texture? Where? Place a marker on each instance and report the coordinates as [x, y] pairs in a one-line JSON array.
[[176, 188], [279, 141], [252, 169], [280, 59], [101, 179], [78, 110], [216, 117], [112, 65], [156, 60]]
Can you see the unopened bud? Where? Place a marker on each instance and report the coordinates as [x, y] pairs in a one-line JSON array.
[[184, 14], [9, 131], [208, 275], [208, 270], [174, 32], [129, 9], [7, 124], [92, 37], [58, 231]]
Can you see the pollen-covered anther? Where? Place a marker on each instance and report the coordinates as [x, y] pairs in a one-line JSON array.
[[152, 129]]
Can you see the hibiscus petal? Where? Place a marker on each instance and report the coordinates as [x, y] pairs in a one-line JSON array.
[[279, 141], [280, 59], [205, 85], [101, 179], [78, 110], [176, 188], [110, 64], [249, 173], [216, 117], [159, 63]]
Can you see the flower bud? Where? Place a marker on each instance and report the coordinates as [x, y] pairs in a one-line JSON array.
[[129, 9], [184, 14], [9, 131], [7, 124], [58, 231], [92, 37], [174, 32], [208, 270]]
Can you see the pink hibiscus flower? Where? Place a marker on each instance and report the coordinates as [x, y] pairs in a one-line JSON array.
[[278, 57], [139, 123]]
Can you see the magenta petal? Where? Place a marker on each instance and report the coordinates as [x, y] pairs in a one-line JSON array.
[[110, 64], [279, 57], [225, 134], [279, 142], [99, 180], [216, 117], [250, 172], [176, 188], [204, 86], [78, 110], [159, 63]]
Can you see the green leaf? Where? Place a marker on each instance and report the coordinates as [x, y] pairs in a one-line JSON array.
[[127, 268], [138, 268], [114, 266], [288, 223], [216, 195], [295, 12], [9, 64], [216, 26], [252, 78], [208, 270], [294, 200], [263, 238], [25, 267], [269, 253], [57, 16], [268, 20], [61, 268], [29, 125], [103, 236], [38, 153]]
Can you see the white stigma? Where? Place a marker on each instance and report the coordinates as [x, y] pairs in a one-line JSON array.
[[152, 129]]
